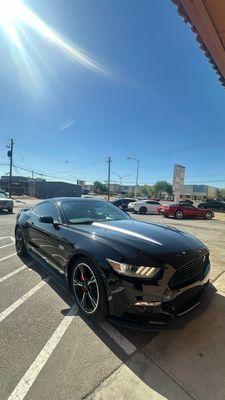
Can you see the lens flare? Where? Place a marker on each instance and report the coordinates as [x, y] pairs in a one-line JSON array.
[[16, 17]]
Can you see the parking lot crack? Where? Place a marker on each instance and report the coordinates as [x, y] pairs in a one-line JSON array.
[[95, 388], [170, 376]]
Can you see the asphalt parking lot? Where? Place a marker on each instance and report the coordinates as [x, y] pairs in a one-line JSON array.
[[48, 351]]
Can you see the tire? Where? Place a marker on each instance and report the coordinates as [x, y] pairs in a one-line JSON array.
[[19, 242], [143, 210], [91, 298], [208, 215], [179, 214], [10, 210]]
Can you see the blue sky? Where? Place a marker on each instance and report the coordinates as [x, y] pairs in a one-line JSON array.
[[158, 94]]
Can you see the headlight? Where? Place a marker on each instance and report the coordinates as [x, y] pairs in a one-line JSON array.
[[133, 270]]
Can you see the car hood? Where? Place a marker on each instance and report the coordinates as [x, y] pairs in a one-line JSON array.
[[148, 237]]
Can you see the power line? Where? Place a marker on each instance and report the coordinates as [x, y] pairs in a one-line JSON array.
[[184, 148], [42, 173]]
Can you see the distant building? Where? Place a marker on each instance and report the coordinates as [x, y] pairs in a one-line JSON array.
[[46, 189], [199, 192], [87, 189], [21, 185], [116, 188], [39, 188]]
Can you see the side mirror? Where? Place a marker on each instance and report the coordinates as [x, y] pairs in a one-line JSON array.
[[46, 220]]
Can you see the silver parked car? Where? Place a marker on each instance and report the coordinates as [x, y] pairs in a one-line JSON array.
[[5, 202]]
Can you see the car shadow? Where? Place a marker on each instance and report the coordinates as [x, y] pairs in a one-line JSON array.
[[142, 363], [4, 212]]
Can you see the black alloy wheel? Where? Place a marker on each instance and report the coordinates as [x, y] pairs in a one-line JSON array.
[[89, 289], [143, 210], [179, 214], [208, 215], [19, 242]]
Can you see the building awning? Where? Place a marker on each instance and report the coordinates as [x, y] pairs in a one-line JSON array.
[[207, 20]]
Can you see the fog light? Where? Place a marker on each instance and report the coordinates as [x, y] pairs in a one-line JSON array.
[[148, 303]]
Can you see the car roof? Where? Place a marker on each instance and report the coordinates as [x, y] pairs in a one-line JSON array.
[[62, 199]]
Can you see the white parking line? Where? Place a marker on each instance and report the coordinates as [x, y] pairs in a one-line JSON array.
[[123, 342], [5, 277], [22, 299], [12, 273], [33, 371], [6, 245], [5, 258], [7, 237]]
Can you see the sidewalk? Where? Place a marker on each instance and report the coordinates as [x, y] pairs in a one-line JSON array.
[[176, 365]]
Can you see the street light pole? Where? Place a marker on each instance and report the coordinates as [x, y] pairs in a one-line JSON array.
[[109, 175], [120, 178], [136, 187], [10, 155], [137, 173]]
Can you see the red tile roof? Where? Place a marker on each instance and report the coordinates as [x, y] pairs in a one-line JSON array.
[[208, 24]]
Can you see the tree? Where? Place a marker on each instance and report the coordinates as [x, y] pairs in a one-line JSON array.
[[146, 191], [99, 188], [163, 186]]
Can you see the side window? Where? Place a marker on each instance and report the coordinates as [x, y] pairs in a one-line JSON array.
[[47, 209], [38, 210]]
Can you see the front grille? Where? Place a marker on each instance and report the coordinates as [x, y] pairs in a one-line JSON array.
[[189, 273]]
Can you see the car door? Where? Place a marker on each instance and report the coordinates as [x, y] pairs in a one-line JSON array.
[[209, 204], [191, 211], [124, 205], [45, 238], [219, 205], [152, 206]]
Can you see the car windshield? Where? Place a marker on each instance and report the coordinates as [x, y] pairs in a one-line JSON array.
[[89, 211], [3, 195]]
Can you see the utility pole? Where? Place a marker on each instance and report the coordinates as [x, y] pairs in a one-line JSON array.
[[109, 175], [137, 174], [10, 155], [136, 186]]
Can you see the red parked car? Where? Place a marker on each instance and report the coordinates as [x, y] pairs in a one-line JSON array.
[[180, 211]]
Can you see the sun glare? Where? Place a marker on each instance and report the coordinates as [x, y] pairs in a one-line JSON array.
[[16, 17], [9, 10]]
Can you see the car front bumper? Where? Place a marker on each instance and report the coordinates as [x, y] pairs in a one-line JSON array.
[[155, 307], [200, 304]]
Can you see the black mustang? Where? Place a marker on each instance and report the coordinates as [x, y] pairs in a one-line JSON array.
[[135, 272]]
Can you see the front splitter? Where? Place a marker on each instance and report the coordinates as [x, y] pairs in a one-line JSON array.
[[178, 322]]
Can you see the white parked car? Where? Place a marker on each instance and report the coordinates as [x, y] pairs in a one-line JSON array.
[[5, 202], [144, 206]]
